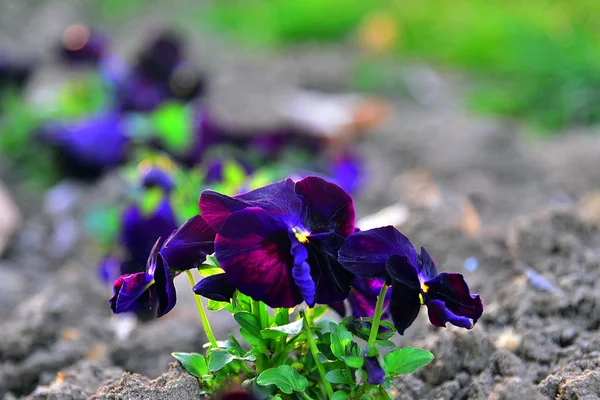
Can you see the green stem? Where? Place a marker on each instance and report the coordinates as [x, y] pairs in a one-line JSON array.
[[315, 353], [255, 308], [202, 313], [304, 395], [377, 316], [247, 370]]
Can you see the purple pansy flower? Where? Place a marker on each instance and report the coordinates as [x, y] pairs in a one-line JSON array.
[[186, 248], [278, 244], [385, 253], [363, 297], [91, 147]]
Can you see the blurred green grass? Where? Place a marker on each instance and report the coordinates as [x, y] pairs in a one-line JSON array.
[[538, 60]]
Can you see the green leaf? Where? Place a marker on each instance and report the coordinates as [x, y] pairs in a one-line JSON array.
[[150, 201], [286, 378], [173, 124], [256, 342], [338, 376], [386, 344], [219, 359], [340, 338], [340, 395], [282, 316], [249, 322], [292, 328], [406, 360], [318, 311], [207, 270], [353, 361], [193, 363], [233, 174], [214, 305]]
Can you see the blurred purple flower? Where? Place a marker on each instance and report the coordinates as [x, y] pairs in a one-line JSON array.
[[278, 244], [385, 253], [14, 72], [375, 374], [89, 148]]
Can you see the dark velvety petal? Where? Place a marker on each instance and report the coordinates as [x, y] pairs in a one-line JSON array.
[[365, 253], [326, 206], [439, 315], [189, 245], [403, 274], [254, 250], [301, 270], [216, 207], [215, 287], [237, 395], [452, 289], [165, 287], [404, 307], [427, 267], [332, 280], [161, 56], [339, 307], [375, 374], [369, 287], [127, 289], [278, 199]]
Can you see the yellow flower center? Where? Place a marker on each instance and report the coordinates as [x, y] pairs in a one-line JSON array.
[[424, 289], [301, 235]]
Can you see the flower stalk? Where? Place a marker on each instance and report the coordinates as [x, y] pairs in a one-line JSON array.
[[202, 313], [377, 316], [328, 390]]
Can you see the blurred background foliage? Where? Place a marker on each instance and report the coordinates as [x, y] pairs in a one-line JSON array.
[[537, 60]]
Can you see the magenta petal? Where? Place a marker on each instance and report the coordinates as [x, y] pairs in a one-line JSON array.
[[439, 315], [216, 207], [452, 289], [301, 270], [327, 207], [254, 250], [215, 287], [365, 253], [127, 290], [189, 245]]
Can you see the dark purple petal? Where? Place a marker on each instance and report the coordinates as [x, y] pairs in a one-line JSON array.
[[439, 315], [127, 290], [254, 250], [375, 374], [215, 287], [427, 267], [369, 287], [138, 93], [365, 253], [346, 171], [157, 177], [217, 207], [164, 285], [326, 206], [405, 302], [331, 279], [301, 271], [452, 289], [279, 200], [339, 307], [189, 245], [14, 72], [237, 395]]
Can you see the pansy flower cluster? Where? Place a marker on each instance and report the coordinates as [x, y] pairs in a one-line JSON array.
[[291, 243]]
